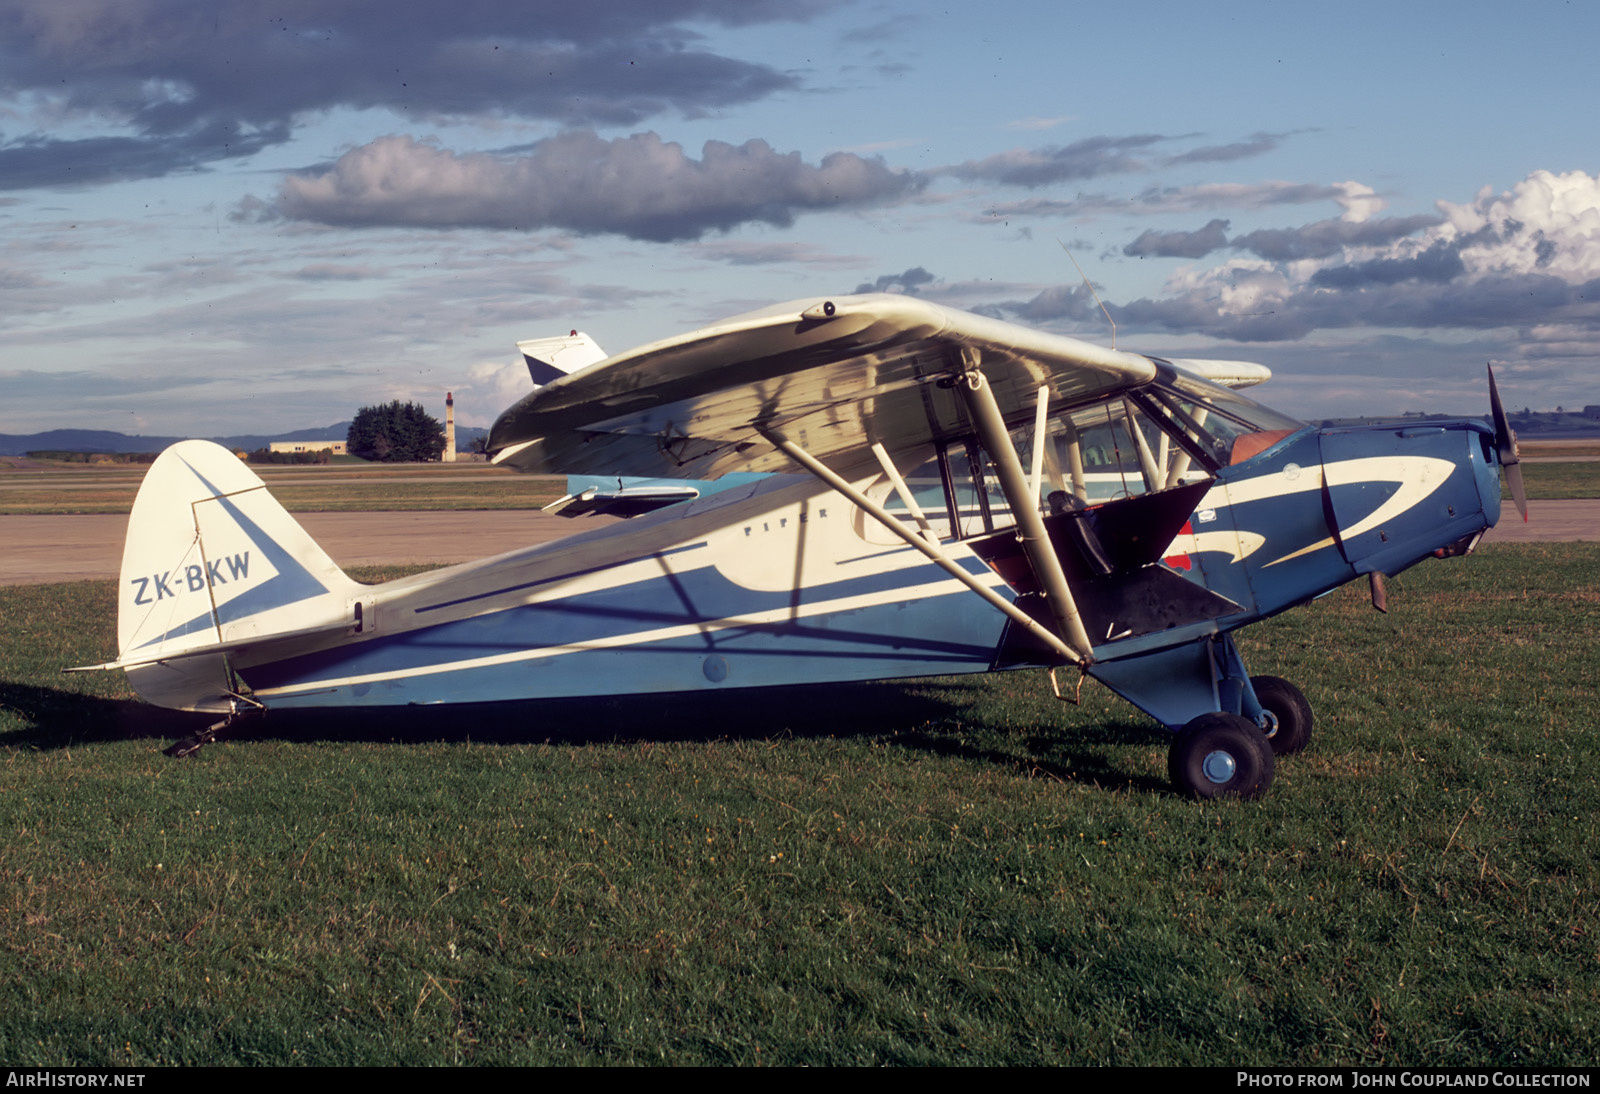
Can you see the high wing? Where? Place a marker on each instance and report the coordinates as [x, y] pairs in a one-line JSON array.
[[836, 375]]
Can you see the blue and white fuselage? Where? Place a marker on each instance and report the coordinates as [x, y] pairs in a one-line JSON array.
[[1056, 504], [780, 581]]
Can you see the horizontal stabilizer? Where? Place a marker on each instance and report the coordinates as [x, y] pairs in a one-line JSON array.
[[624, 502]]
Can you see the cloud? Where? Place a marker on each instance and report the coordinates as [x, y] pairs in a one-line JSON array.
[[1258, 144], [1197, 244], [1414, 303], [334, 271], [1526, 260], [171, 88], [1085, 159], [639, 186], [1318, 239], [1328, 237], [909, 282], [1034, 124], [1093, 157], [38, 161], [1074, 302], [1547, 223], [772, 253], [1441, 261], [1184, 199]]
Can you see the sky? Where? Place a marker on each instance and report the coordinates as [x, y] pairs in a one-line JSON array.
[[258, 216]]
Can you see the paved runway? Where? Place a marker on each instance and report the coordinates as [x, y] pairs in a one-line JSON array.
[[36, 549]]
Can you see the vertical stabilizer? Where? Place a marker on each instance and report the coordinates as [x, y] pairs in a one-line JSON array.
[[212, 559], [552, 358]]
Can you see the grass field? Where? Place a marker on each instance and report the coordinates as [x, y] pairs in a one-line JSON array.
[[370, 487], [1560, 480], [959, 871], [301, 489]]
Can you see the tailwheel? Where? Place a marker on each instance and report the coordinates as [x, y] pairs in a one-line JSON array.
[[1291, 711], [1221, 756], [190, 745]]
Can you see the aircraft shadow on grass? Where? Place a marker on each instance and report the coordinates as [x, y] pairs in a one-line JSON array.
[[904, 716]]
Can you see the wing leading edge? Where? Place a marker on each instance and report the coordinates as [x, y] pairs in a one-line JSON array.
[[836, 375]]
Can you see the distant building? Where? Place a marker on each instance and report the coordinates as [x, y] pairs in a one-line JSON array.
[[306, 446], [1592, 411]]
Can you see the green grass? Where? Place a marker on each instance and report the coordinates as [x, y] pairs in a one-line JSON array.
[[1560, 480], [961, 871], [362, 488]]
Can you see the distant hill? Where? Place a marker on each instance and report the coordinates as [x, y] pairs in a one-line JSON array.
[[101, 440]]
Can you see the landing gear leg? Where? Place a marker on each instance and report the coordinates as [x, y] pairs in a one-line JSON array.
[[1230, 725]]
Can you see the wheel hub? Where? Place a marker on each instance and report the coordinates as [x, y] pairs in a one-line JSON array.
[[1218, 767]]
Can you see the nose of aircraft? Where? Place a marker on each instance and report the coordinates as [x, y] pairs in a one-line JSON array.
[[1398, 492]]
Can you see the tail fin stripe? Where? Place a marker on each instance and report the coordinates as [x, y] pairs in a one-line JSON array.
[[292, 583]]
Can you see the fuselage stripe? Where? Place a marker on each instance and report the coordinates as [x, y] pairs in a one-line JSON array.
[[945, 587], [560, 577]]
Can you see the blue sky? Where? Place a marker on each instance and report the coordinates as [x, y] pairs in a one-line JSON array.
[[261, 215]]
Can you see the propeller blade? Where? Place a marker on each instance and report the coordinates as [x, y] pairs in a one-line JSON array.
[[1380, 594], [1505, 442], [1513, 477]]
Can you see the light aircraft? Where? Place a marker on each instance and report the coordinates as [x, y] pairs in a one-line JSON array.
[[924, 492]]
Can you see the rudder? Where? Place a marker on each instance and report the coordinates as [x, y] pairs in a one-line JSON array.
[[212, 559]]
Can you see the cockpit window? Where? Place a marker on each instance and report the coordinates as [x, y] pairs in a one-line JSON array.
[[1100, 452], [1176, 431]]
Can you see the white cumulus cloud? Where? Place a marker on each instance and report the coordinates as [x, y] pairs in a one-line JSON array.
[[639, 186], [1546, 223]]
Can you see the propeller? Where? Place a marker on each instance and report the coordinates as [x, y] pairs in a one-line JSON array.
[[1505, 441]]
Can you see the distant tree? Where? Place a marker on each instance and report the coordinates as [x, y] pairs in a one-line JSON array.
[[394, 433], [267, 455]]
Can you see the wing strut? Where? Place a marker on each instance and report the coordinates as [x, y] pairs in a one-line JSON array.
[[991, 427], [906, 497], [1041, 436], [945, 562]]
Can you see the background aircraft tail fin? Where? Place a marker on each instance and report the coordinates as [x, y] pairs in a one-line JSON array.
[[552, 358], [213, 563]]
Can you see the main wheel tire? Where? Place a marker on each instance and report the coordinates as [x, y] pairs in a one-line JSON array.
[[1290, 708], [1221, 756]]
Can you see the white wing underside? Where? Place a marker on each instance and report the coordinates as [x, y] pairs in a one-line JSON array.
[[836, 376]]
